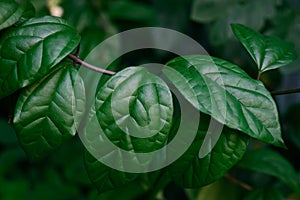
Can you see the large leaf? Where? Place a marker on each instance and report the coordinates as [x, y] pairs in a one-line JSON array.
[[10, 13], [224, 91], [134, 110], [268, 52], [190, 171], [28, 52], [48, 112], [271, 163], [138, 103]]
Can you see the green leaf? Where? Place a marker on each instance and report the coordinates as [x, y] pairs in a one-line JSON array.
[[10, 13], [264, 194], [235, 11], [28, 11], [48, 112], [104, 177], [190, 171], [224, 91], [205, 11], [271, 163], [134, 110], [138, 103], [268, 52], [28, 52], [131, 11]]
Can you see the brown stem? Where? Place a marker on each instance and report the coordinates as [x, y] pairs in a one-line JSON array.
[[258, 76], [238, 182], [89, 66], [282, 92]]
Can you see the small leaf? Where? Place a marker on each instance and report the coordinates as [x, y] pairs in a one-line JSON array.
[[48, 112], [268, 52], [271, 163], [28, 12], [10, 13], [190, 171], [29, 51], [224, 91]]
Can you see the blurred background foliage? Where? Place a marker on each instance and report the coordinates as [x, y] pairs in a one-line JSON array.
[[62, 175]]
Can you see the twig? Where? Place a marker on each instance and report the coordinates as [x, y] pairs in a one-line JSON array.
[[258, 76], [238, 182], [282, 92], [87, 65]]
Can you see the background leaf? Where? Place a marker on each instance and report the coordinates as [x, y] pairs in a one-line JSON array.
[[271, 163], [264, 194], [268, 52], [224, 91], [221, 15], [28, 52], [49, 111]]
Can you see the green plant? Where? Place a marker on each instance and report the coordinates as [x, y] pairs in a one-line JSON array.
[[38, 66]]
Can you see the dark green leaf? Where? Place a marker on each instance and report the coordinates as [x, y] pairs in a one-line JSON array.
[[268, 52], [190, 171], [131, 11], [146, 98], [104, 177], [264, 194], [28, 52], [28, 12], [10, 13], [139, 103], [49, 111], [271, 163], [224, 91]]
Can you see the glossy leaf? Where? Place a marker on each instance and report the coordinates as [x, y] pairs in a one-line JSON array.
[[28, 52], [190, 171], [268, 52], [48, 112], [149, 103], [224, 91], [271, 163], [10, 13], [139, 103]]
